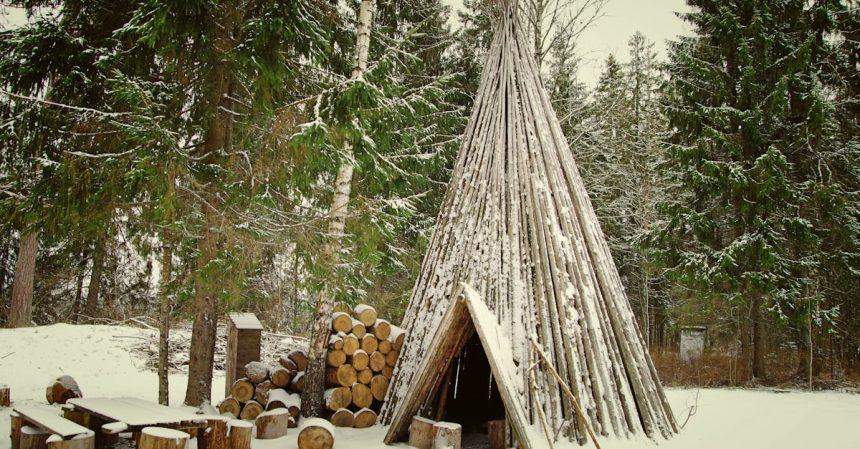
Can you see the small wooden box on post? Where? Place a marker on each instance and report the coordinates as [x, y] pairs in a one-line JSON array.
[[243, 345]]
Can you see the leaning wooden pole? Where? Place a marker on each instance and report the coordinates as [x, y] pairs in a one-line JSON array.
[[517, 224]]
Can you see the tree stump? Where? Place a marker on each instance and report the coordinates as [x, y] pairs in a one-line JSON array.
[[364, 418], [273, 424], [83, 441], [316, 433], [421, 433], [17, 422], [213, 437], [496, 432], [240, 434], [343, 418], [33, 438], [251, 410], [62, 389], [362, 397], [162, 438], [5, 396], [447, 435]]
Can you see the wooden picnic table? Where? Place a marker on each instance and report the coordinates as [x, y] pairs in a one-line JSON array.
[[131, 415]]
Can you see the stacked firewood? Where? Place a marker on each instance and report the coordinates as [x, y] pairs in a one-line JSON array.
[[266, 388], [362, 352]]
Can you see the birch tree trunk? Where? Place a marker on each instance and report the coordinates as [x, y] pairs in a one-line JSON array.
[[217, 137], [21, 305], [312, 396]]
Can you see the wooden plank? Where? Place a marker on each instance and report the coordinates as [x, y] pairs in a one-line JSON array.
[[48, 418], [137, 413]]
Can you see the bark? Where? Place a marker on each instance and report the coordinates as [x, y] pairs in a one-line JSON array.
[[759, 370], [202, 351], [217, 139], [165, 306], [21, 305], [312, 404], [95, 285], [79, 289]]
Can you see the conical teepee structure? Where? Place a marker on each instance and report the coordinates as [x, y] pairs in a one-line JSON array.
[[517, 226]]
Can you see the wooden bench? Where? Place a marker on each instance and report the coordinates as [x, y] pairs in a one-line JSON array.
[[64, 434]]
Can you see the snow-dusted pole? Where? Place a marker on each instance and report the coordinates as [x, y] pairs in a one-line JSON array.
[[312, 396]]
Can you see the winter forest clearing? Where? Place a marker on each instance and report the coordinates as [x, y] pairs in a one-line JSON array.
[[113, 362], [244, 224]]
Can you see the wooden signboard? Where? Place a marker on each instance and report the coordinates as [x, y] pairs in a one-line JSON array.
[[243, 345]]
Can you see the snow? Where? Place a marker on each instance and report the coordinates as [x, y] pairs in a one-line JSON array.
[[98, 357]]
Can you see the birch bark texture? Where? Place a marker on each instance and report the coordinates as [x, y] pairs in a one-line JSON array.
[[517, 225], [315, 374]]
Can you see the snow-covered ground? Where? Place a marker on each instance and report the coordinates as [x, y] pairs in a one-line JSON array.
[[101, 359]]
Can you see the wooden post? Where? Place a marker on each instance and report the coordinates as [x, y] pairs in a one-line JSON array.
[[244, 332], [162, 438]]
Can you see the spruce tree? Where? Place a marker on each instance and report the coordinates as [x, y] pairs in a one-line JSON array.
[[755, 164]]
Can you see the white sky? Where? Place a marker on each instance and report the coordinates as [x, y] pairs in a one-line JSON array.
[[654, 18]]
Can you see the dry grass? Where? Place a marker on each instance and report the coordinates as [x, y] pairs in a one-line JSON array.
[[718, 369]]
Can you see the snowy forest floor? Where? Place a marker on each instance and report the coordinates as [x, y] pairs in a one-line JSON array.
[[110, 361]]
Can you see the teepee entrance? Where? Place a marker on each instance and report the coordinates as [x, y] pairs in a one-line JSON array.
[[469, 334], [471, 395]]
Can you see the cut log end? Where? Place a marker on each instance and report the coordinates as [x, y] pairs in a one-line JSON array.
[[273, 424], [251, 410], [243, 390], [364, 418], [342, 418], [316, 433], [365, 313], [362, 397]]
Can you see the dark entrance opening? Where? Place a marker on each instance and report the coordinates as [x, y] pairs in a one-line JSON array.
[[473, 397]]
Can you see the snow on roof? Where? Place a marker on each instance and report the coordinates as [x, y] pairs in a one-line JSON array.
[[246, 321]]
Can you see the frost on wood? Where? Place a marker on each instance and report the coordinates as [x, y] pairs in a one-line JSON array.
[[517, 225]]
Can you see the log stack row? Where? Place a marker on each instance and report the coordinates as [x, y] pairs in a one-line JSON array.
[[266, 388], [362, 352]]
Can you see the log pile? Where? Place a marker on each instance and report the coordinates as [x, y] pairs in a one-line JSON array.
[[266, 388], [362, 352]]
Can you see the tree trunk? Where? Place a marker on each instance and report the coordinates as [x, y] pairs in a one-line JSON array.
[[217, 139], [202, 351], [21, 306], [758, 338], [164, 310], [95, 285], [79, 288], [312, 396]]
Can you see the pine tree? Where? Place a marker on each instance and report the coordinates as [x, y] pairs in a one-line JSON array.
[[752, 130]]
